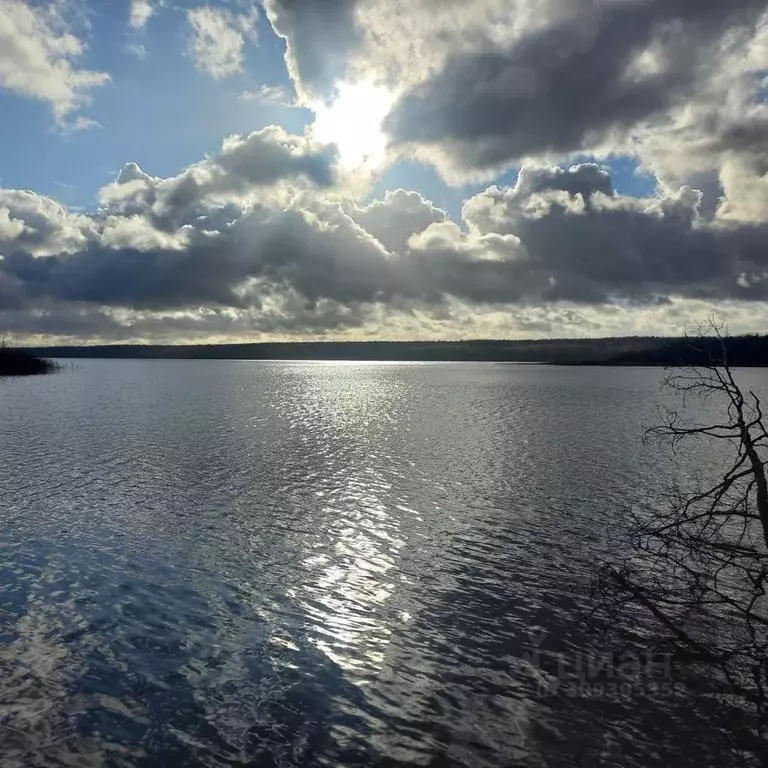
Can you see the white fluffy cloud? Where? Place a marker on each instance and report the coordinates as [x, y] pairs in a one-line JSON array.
[[39, 225], [140, 13], [39, 55], [393, 220], [218, 38], [248, 169]]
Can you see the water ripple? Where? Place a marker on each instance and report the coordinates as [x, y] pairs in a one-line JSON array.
[[212, 563]]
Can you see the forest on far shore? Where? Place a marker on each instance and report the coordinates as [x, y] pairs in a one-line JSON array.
[[749, 350]]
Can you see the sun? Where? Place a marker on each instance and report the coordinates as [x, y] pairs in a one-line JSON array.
[[353, 122]]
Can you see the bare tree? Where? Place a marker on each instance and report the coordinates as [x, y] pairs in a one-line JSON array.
[[697, 568]]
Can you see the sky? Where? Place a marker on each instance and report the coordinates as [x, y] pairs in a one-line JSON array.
[[381, 169]]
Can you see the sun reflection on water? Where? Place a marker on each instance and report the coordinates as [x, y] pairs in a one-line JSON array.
[[350, 583], [352, 571]]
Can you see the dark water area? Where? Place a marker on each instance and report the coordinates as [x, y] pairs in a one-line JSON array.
[[304, 564]]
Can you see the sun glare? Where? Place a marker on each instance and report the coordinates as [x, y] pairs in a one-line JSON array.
[[353, 122]]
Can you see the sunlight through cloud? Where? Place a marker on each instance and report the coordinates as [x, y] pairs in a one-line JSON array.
[[353, 122]]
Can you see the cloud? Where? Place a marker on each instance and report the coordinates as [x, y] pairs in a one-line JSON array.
[[218, 38], [390, 43], [290, 317], [745, 188], [246, 168], [319, 39], [136, 49], [585, 180], [39, 225], [719, 147], [248, 239], [38, 58], [267, 94], [393, 220], [141, 12], [267, 236], [587, 77], [211, 267]]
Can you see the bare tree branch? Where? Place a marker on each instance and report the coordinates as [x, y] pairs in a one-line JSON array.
[[698, 566]]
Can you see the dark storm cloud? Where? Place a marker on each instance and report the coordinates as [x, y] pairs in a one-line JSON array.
[[319, 35], [520, 249], [584, 180], [570, 85], [749, 135], [127, 278], [341, 263], [65, 320], [620, 250], [294, 315]]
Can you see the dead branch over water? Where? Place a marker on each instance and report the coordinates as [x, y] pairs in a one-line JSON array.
[[696, 576]]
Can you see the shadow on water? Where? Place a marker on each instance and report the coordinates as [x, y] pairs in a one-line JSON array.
[[522, 682]]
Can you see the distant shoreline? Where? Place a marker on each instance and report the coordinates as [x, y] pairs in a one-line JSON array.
[[743, 351]]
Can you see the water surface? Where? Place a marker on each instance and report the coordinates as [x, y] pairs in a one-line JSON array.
[[225, 563]]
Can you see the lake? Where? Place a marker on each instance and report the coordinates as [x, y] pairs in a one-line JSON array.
[[307, 564]]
